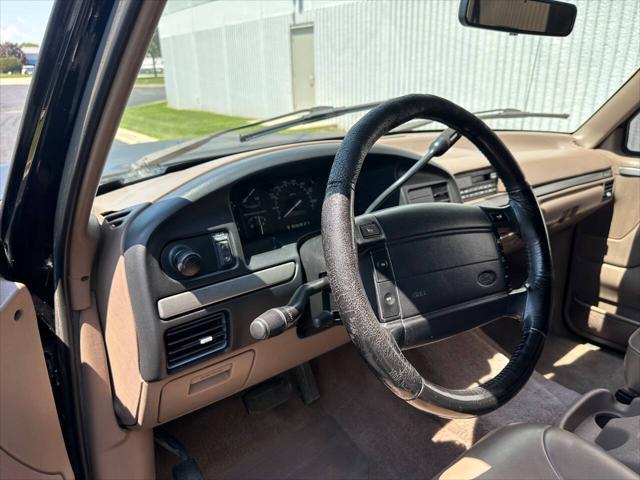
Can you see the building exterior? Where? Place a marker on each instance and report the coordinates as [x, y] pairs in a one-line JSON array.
[[31, 55], [261, 58]]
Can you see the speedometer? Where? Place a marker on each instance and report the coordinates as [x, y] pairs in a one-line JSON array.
[[295, 203]]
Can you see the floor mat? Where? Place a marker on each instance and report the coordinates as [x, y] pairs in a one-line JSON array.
[[568, 360], [317, 450], [358, 428]]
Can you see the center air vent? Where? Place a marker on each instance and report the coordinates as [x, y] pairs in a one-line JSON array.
[[196, 340], [438, 192]]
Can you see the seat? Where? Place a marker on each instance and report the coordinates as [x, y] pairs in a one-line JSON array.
[[526, 451]]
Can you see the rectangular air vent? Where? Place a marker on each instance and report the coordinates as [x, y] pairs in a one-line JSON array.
[[608, 190], [438, 192], [196, 340]]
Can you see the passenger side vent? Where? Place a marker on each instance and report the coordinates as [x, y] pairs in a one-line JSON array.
[[115, 219], [194, 341], [608, 190]]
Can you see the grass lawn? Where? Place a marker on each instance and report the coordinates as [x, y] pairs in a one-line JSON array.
[[162, 122], [15, 75], [159, 121], [159, 80]]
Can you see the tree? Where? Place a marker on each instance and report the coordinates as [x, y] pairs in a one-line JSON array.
[[10, 65], [8, 49], [154, 51], [28, 44]]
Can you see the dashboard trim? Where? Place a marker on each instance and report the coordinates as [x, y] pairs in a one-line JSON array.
[[218, 292]]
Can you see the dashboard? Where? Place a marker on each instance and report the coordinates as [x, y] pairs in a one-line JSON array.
[[189, 259]]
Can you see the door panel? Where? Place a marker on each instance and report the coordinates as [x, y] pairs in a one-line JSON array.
[[603, 301], [31, 442]]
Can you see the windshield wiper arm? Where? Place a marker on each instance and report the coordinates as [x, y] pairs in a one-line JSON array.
[[315, 114], [156, 158], [494, 114]]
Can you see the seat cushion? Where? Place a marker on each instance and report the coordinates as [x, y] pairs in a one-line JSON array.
[[525, 451]]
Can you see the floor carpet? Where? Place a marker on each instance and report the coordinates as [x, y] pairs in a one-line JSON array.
[[358, 429], [568, 359]]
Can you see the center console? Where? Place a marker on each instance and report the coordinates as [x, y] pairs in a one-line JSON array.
[[612, 421]]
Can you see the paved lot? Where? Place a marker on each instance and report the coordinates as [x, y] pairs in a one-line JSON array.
[[13, 98]]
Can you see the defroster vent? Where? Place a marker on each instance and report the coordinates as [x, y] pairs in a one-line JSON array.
[[196, 340]]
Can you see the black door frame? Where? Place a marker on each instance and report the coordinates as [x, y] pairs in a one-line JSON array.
[[81, 53]]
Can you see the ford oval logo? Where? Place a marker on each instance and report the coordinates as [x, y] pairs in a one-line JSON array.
[[487, 278]]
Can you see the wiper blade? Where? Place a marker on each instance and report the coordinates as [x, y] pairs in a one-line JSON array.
[[155, 159], [495, 114], [315, 114]]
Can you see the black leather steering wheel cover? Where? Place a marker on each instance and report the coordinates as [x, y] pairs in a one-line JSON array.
[[375, 343]]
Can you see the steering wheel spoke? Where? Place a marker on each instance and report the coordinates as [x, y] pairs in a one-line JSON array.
[[421, 330]]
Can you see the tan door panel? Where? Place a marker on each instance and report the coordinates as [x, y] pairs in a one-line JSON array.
[[603, 300], [31, 443]]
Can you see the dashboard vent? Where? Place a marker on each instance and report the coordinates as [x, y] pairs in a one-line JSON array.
[[438, 192], [608, 190], [115, 219], [196, 340]]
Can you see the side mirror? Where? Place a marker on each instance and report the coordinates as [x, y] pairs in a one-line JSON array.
[[534, 17]]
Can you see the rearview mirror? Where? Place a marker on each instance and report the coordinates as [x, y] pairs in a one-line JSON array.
[[535, 17]]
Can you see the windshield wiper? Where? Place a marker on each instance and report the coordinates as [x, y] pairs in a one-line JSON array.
[[150, 164], [314, 115], [502, 113], [161, 156]]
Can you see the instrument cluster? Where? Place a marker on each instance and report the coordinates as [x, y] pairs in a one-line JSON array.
[[266, 208]]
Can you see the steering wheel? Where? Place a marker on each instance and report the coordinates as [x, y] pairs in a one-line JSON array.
[[434, 270]]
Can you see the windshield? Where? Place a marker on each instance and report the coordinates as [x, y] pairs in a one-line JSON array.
[[215, 65]]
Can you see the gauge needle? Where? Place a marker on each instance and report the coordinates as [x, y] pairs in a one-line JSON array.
[[295, 205], [261, 226], [248, 195]]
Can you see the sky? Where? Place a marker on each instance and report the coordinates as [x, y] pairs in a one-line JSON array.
[[24, 20]]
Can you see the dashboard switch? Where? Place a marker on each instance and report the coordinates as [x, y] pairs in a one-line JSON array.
[[223, 249]]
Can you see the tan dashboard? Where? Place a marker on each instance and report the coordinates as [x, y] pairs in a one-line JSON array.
[[570, 182]]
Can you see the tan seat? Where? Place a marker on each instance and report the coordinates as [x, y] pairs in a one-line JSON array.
[[526, 451]]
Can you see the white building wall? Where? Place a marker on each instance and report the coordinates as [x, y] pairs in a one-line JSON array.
[[233, 57]]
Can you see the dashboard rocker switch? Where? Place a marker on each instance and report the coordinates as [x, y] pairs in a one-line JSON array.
[[223, 249]]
